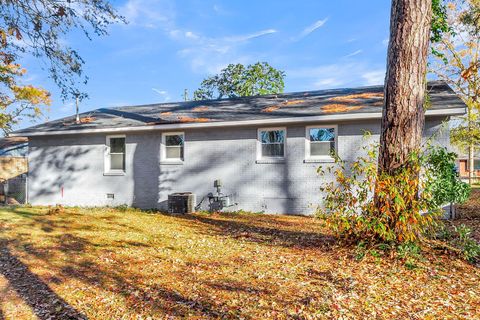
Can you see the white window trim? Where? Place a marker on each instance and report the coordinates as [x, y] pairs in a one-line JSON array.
[[261, 159], [163, 156], [107, 171], [308, 156]]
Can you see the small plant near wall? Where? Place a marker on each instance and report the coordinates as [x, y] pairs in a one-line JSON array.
[[445, 186], [412, 206]]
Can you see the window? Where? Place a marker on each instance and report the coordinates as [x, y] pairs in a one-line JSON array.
[[320, 142], [476, 164], [173, 146], [115, 155], [271, 143]]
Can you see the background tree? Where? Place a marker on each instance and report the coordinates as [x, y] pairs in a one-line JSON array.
[[36, 27], [237, 80], [457, 62]]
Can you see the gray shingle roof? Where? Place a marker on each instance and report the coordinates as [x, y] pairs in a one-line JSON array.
[[353, 101]]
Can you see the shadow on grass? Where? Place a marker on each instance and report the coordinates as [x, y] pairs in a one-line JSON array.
[[45, 303], [118, 279], [247, 230]]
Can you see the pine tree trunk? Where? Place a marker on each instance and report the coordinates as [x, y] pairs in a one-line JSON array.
[[403, 113]]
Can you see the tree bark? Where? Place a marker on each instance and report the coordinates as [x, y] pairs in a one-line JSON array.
[[403, 113]]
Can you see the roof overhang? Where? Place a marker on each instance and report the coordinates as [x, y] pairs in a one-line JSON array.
[[221, 124]]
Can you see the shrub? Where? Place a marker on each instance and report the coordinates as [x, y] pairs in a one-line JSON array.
[[411, 206], [445, 186], [469, 247]]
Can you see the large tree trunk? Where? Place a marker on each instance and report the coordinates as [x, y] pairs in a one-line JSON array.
[[403, 113]]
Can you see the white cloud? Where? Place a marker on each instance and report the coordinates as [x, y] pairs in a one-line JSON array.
[[338, 75], [250, 36], [210, 55], [204, 54], [148, 13], [374, 77], [385, 42], [311, 28], [354, 53], [164, 94]]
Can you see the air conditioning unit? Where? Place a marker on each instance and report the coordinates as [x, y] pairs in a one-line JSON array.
[[181, 202]]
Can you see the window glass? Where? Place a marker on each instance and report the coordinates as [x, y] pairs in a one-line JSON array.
[[117, 161], [117, 145], [476, 164], [322, 142], [273, 143], [174, 146], [117, 153]]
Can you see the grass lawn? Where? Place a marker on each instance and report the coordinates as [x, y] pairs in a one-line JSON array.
[[127, 264]]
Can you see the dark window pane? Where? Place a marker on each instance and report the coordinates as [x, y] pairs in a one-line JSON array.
[[174, 140], [273, 150], [476, 164], [117, 145], [174, 152], [322, 134], [274, 136], [117, 161]]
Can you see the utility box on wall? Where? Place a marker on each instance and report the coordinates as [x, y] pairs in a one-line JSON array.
[[181, 202]]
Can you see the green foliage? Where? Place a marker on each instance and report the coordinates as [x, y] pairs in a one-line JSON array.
[[43, 23], [349, 208], [439, 27], [469, 247], [445, 186], [237, 80], [439, 24]]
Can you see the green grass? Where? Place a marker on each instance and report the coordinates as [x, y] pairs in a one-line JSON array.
[[129, 264]]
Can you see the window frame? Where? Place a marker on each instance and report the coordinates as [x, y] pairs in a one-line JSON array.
[[107, 159], [308, 156], [260, 157], [163, 157]]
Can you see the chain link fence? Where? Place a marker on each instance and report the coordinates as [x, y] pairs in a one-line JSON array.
[[14, 191]]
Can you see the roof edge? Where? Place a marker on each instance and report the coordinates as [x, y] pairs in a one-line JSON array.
[[292, 120]]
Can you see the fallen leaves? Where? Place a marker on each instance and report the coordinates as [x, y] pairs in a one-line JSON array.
[[200, 109], [357, 97], [187, 119], [82, 120], [112, 263], [270, 109], [282, 104], [332, 108]]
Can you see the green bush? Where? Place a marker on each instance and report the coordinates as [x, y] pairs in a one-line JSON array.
[[445, 186], [411, 206]]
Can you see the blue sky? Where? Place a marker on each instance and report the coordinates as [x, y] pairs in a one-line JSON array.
[[169, 46]]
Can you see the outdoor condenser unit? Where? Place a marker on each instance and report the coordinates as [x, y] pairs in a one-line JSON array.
[[181, 202]]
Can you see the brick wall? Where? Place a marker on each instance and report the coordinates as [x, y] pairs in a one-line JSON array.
[[70, 169]]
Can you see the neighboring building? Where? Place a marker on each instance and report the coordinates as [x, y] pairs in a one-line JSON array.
[[265, 149], [13, 168], [464, 166]]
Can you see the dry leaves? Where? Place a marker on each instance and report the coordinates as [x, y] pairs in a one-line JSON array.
[[355, 98], [108, 263], [186, 119], [332, 108], [200, 109], [283, 104]]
